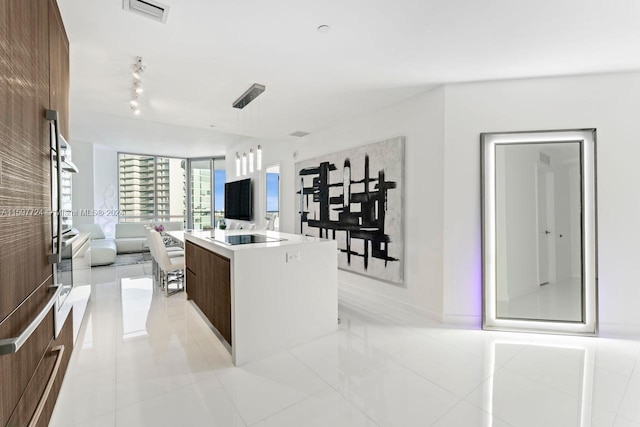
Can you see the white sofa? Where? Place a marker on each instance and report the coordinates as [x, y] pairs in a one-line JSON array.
[[103, 250], [130, 237]]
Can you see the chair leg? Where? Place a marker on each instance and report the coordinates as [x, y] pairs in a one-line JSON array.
[[165, 278], [178, 279]]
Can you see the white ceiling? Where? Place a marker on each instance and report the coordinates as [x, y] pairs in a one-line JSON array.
[[377, 53]]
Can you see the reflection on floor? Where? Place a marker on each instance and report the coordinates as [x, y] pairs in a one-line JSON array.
[[554, 301], [146, 360]]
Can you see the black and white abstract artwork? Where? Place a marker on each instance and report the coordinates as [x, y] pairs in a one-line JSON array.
[[356, 197]]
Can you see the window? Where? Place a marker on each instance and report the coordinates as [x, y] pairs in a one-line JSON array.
[[273, 191], [207, 179], [220, 179], [201, 194], [152, 189]]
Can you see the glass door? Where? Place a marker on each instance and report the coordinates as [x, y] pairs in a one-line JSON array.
[[201, 183], [219, 180]]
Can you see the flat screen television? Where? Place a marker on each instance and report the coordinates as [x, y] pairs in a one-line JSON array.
[[237, 200]]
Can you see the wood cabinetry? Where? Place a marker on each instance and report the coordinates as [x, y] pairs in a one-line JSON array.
[[209, 286], [59, 69], [43, 373], [34, 77], [25, 240]]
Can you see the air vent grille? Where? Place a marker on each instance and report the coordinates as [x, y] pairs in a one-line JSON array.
[[299, 133], [150, 9]]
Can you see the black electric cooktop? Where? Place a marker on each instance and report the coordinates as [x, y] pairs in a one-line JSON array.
[[245, 239]]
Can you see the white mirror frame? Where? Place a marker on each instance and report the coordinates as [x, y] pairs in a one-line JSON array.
[[490, 320]]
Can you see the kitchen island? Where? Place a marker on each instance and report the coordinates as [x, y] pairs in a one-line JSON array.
[[262, 291]]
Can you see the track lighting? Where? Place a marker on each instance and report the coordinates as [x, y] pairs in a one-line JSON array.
[[137, 69]]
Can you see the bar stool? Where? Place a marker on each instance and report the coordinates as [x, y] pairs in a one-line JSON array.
[[174, 252], [167, 265]]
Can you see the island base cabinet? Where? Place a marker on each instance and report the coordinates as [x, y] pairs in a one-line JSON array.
[[209, 286]]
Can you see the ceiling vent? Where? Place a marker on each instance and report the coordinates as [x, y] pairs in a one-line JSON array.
[[150, 9], [299, 133], [249, 95]]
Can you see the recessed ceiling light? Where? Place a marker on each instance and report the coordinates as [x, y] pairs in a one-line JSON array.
[[324, 29]]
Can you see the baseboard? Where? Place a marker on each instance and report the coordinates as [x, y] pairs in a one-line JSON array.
[[619, 330], [463, 319], [387, 301]]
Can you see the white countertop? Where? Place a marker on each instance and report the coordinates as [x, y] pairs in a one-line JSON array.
[[216, 239]]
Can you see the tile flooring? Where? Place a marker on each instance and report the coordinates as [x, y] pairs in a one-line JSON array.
[[145, 360]]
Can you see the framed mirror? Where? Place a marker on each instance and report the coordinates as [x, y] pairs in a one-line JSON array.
[[539, 244]]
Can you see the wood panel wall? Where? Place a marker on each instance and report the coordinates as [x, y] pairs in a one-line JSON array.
[[25, 190], [25, 198], [59, 69]]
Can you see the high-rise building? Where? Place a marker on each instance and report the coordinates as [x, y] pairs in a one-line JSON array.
[[152, 188], [201, 197], [137, 192]]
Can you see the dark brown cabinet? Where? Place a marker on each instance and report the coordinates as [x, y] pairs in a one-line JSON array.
[[209, 286], [34, 77], [59, 69]]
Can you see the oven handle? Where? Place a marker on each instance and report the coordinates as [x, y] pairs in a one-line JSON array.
[[53, 116], [12, 345]]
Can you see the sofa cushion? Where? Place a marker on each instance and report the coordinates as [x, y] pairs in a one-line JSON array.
[[94, 229], [129, 230], [132, 244]]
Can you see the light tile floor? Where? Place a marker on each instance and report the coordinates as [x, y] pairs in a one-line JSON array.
[[145, 360]]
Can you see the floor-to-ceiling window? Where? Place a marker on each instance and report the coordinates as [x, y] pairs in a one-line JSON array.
[[273, 194], [220, 179], [152, 188], [207, 178], [200, 194]]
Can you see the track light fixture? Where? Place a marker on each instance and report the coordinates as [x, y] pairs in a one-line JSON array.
[[137, 69]]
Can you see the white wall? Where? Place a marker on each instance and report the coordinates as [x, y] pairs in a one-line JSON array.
[[82, 182], [95, 186], [105, 182], [273, 153], [610, 103], [420, 120]]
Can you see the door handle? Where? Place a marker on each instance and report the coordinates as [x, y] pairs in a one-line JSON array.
[[52, 116]]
